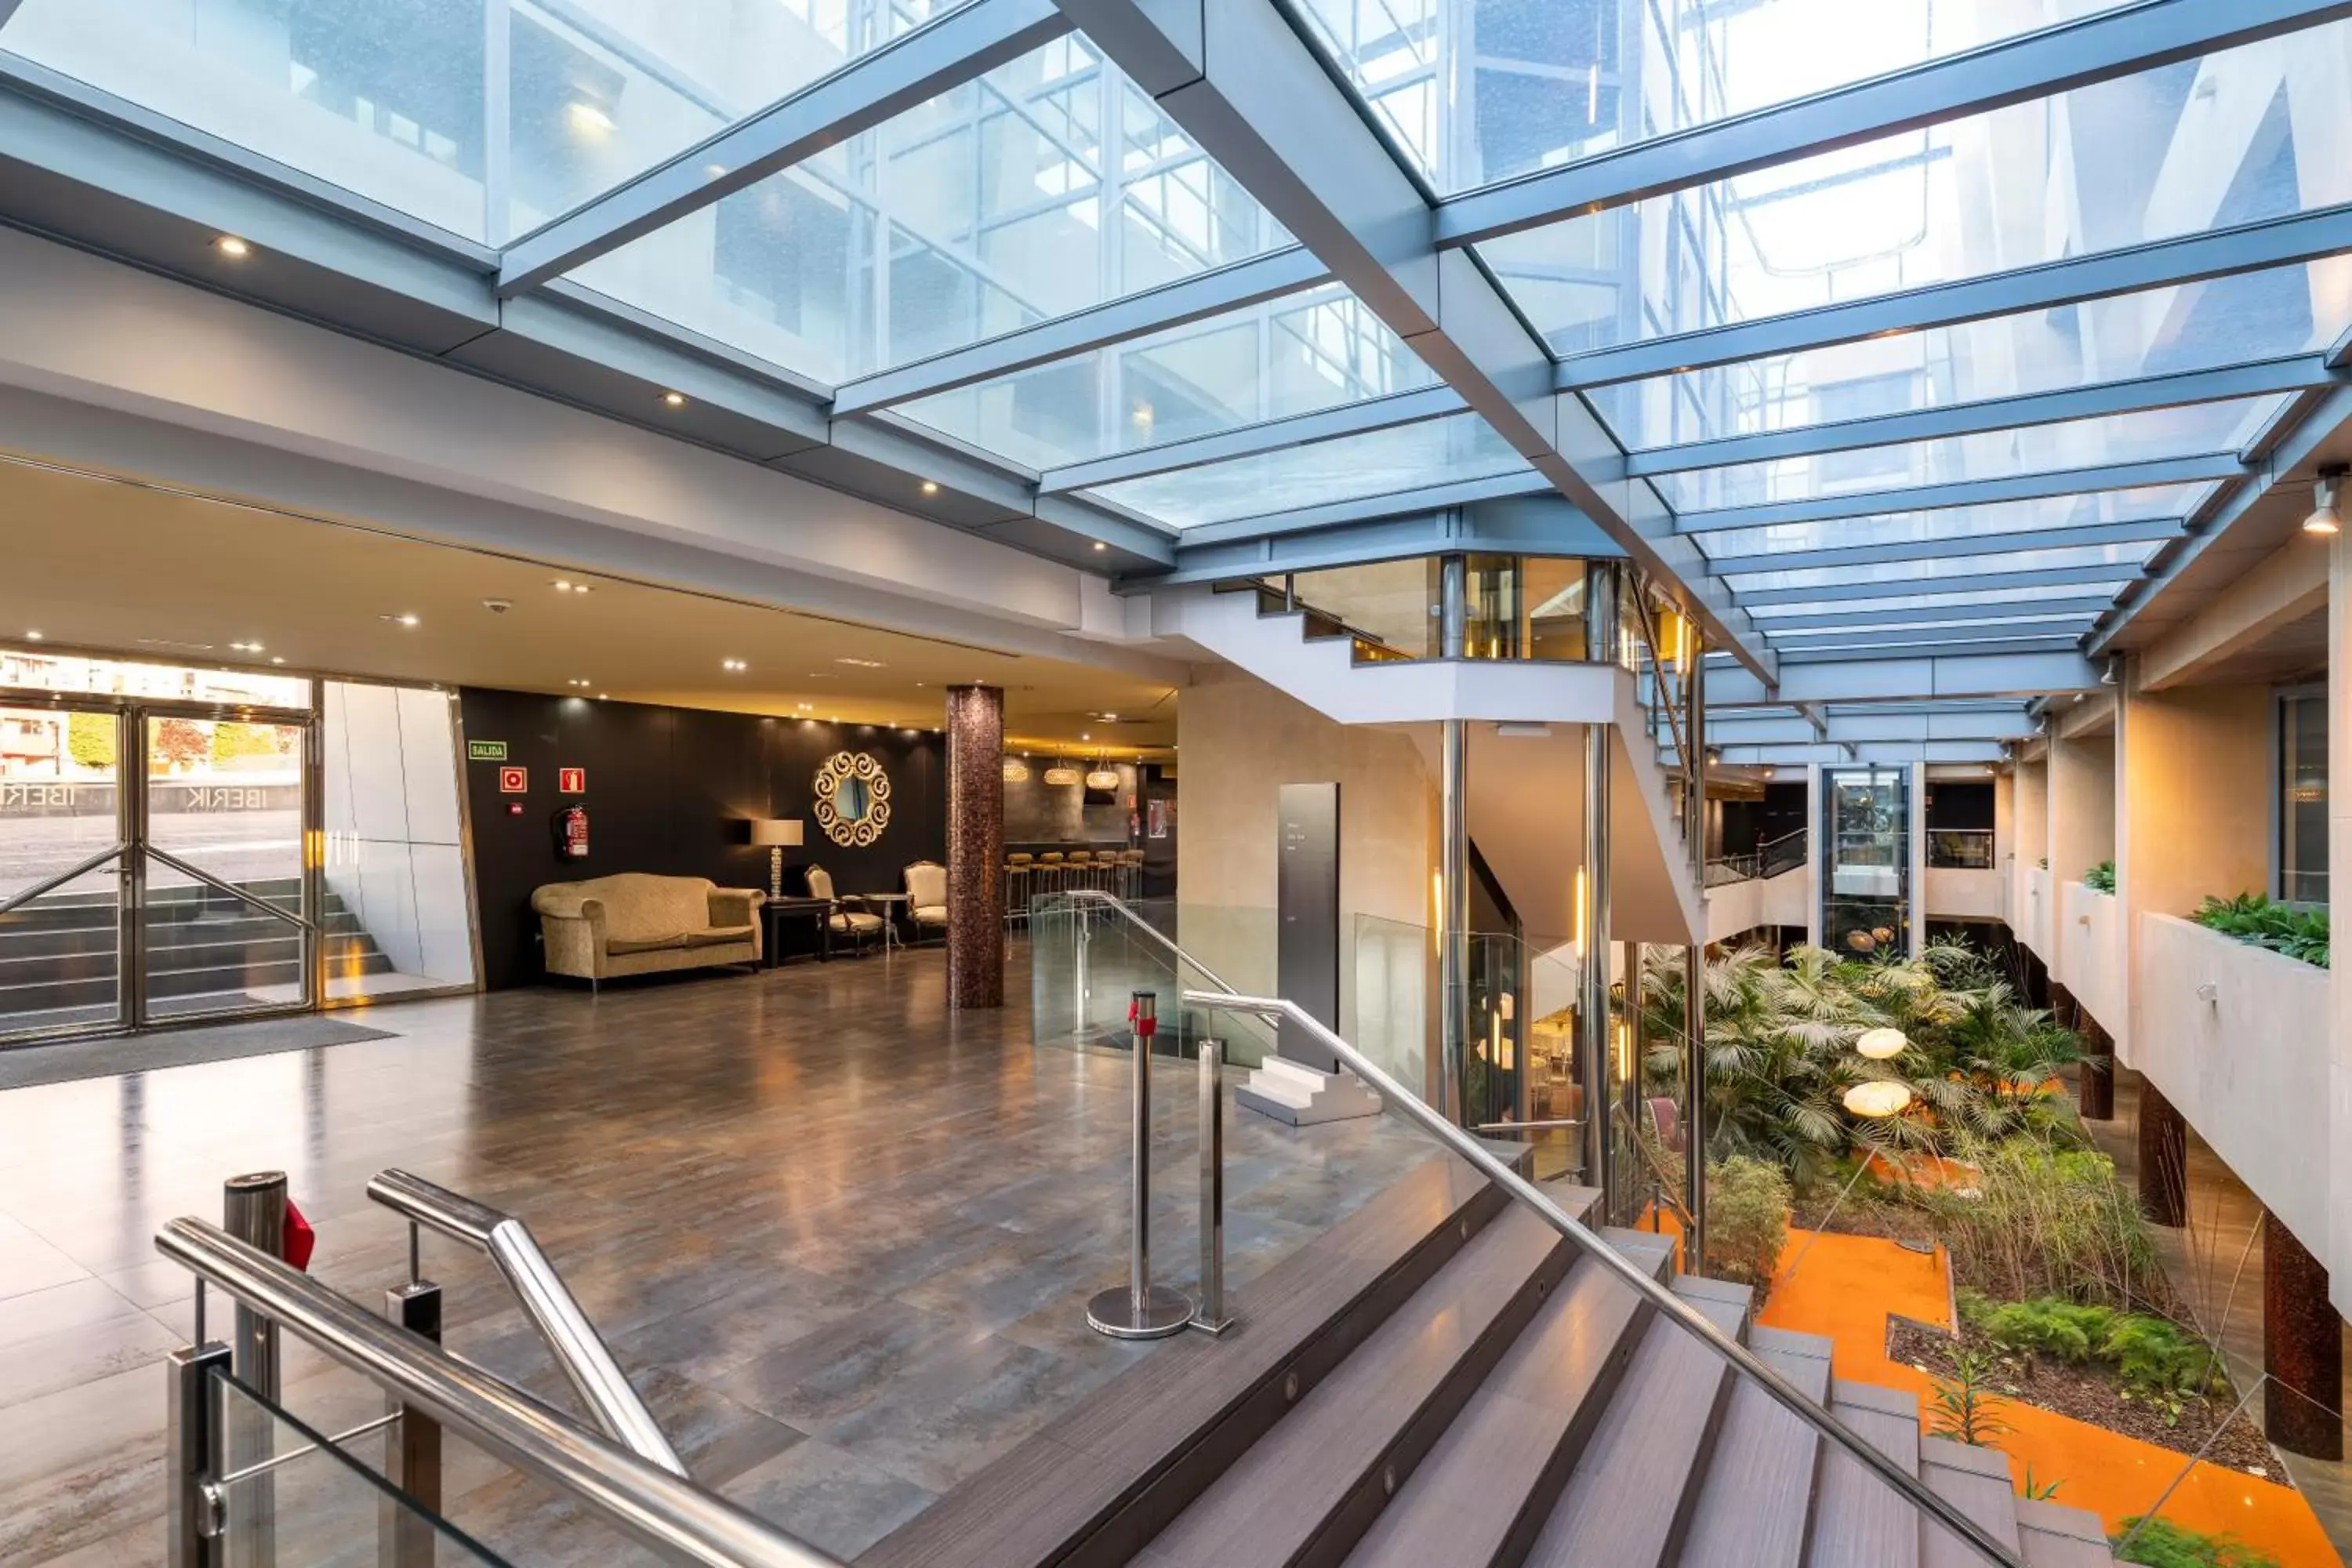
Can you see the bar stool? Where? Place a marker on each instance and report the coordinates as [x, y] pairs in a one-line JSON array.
[[1018, 869], [1131, 866], [1051, 877], [1080, 864]]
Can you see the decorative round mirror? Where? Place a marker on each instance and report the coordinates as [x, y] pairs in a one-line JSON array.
[[852, 799]]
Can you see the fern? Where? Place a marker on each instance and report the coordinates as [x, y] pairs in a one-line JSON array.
[[2251, 917], [2100, 878]]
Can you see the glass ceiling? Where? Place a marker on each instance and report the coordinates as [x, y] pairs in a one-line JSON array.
[[1052, 185]]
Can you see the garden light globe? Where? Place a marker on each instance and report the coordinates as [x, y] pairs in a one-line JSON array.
[[1881, 1044], [1880, 1097]]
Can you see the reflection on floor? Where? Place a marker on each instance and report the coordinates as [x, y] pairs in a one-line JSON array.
[[840, 1237], [2216, 1263]]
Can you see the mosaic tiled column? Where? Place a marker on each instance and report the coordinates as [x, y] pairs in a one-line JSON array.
[[2303, 1348], [975, 847], [2163, 1157]]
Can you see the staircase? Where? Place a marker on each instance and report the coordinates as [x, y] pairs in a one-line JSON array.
[[59, 959], [1444, 1382]]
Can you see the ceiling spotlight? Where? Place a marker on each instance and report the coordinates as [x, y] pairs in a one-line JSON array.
[[736, 665], [675, 399], [2325, 519], [1100, 545], [930, 487], [235, 249], [566, 585], [277, 659], [34, 637], [399, 620], [579, 683], [246, 646], [1086, 736]]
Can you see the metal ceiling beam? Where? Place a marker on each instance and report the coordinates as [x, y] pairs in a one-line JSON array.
[[1177, 304], [1978, 583], [1865, 648], [2314, 430], [1963, 544], [2073, 628], [1908, 678], [2202, 469], [2299, 372], [1863, 729], [2305, 237], [2120, 43], [1983, 610], [903, 74], [1270, 436], [1797, 756], [1256, 98]]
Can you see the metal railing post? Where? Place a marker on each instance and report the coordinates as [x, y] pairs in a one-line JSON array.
[[1084, 919], [192, 1457], [253, 1210], [412, 1454], [1210, 1317], [1694, 1113], [1141, 1310]]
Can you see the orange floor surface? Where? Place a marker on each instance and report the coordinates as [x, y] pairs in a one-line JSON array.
[[1844, 1286]]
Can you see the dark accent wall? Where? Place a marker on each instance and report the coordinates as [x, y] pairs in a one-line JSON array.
[[669, 791], [1960, 806], [1039, 816]]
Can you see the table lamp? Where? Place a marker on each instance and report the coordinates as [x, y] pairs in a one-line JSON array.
[[778, 832]]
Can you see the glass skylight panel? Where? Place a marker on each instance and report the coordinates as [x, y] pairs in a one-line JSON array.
[[409, 104], [1770, 619], [2192, 429], [1991, 518], [1348, 467], [1479, 90], [2177, 150], [1313, 350], [1998, 626], [1049, 184], [2245, 316], [2125, 558]]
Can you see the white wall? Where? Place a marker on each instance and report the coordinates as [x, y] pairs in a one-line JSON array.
[[2248, 1064], [394, 842], [1956, 894], [2091, 958]]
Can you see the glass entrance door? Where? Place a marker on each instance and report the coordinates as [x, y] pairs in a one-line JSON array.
[[64, 858], [225, 902]]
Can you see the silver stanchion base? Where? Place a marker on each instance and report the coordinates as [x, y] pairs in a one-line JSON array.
[[1162, 1312]]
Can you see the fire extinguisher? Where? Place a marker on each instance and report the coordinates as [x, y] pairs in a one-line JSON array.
[[572, 833]]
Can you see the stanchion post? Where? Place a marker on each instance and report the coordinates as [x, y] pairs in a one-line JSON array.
[[1141, 1310], [253, 1210], [191, 1450], [413, 1450], [1212, 1317]]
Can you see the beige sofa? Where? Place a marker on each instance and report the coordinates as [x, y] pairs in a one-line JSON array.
[[634, 923]]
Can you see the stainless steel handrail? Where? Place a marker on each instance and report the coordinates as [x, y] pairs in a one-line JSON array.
[[82, 869], [578, 1348], [1673, 1307], [198, 874], [1113, 901], [661, 1510]]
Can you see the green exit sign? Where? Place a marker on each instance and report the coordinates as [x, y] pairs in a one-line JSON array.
[[485, 750]]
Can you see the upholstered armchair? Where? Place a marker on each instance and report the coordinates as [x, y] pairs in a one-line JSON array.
[[634, 923], [926, 897], [860, 926]]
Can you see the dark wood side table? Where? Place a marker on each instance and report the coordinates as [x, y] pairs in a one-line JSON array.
[[776, 911]]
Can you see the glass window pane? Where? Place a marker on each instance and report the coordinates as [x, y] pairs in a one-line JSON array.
[[2028, 449], [397, 103], [2303, 797], [1479, 90], [1918, 607], [45, 671], [979, 213], [2126, 559], [2177, 150], [1312, 351], [1955, 523], [394, 915], [1383, 462]]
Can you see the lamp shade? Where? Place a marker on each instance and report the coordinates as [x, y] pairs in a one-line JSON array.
[[767, 831], [1881, 1044], [1881, 1097]]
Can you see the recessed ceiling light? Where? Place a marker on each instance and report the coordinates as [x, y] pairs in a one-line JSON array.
[[235, 249], [246, 646], [588, 117], [675, 399], [1086, 736], [399, 620], [579, 683], [808, 707], [602, 695], [736, 665], [34, 637], [566, 585], [277, 659], [930, 487], [860, 663]]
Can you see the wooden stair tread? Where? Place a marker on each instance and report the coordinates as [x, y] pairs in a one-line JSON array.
[[1522, 1428], [1977, 1482], [1307, 1478], [1860, 1521], [1758, 1496], [1079, 1475], [1628, 1497], [2052, 1535]]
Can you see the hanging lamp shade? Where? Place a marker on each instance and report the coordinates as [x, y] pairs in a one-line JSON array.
[[1880, 1097], [1881, 1044]]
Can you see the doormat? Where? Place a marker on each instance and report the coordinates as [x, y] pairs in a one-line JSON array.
[[28, 1065]]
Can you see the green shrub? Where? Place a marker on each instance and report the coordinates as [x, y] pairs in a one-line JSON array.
[[2156, 1357], [2061, 1331], [2045, 1223], [2282, 928], [2100, 878], [2163, 1544], [1746, 1221]]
